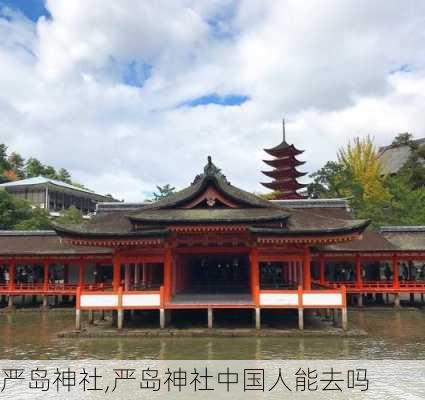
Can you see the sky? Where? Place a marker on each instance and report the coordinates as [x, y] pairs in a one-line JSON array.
[[130, 94]]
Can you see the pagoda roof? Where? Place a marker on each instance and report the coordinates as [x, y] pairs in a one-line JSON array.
[[284, 172], [192, 206], [283, 184], [284, 149], [284, 162]]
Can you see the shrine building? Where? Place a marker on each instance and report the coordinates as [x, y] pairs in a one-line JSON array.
[[214, 246]]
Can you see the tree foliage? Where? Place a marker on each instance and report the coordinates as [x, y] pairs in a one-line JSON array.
[[13, 167], [70, 216], [18, 214], [163, 191], [357, 175]]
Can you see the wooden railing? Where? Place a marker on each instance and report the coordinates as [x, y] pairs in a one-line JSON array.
[[378, 286], [51, 288]]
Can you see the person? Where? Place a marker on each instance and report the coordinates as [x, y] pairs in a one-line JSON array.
[[6, 276], [412, 271], [422, 274], [387, 272], [405, 272]]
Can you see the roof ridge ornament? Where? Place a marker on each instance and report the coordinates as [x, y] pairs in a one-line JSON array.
[[210, 169], [283, 129]]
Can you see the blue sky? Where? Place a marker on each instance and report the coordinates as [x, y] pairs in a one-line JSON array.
[[32, 9], [132, 94]]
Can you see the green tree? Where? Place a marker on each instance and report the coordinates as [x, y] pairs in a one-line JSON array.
[[33, 167], [163, 191], [330, 181], [414, 168], [403, 139], [407, 206], [64, 176], [4, 164], [39, 219], [70, 216], [49, 172], [12, 210]]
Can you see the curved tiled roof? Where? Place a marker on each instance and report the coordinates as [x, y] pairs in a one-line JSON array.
[[36, 243], [226, 215], [250, 209]]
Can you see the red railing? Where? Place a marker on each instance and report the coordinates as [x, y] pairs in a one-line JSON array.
[[41, 288], [376, 286]]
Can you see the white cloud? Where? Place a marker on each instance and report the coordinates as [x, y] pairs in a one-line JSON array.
[[330, 67]]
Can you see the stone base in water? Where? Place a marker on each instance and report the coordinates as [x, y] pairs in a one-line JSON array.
[[91, 331]]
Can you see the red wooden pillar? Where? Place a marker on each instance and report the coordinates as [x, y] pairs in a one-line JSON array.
[[46, 275], [11, 268], [81, 274], [168, 271], [359, 281], [116, 280], [255, 276], [306, 269], [322, 277], [396, 271]]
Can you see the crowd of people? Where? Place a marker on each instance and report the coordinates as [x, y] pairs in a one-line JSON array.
[[407, 272], [29, 275]]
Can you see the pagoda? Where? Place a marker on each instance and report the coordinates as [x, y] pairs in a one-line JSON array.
[[284, 173]]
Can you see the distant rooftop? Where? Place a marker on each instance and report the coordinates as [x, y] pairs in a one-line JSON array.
[[402, 228], [41, 180], [394, 157], [314, 203], [108, 206]]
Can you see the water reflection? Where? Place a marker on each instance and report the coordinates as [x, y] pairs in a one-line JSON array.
[[391, 334]]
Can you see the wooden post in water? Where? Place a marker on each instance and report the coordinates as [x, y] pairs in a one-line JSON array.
[[257, 318], [161, 309], [344, 319], [344, 316], [77, 310], [397, 300], [210, 318], [161, 318], [120, 316], [300, 309]]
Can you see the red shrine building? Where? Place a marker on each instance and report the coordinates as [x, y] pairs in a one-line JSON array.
[[213, 246]]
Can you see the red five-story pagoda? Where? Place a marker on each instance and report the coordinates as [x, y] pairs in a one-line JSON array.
[[284, 173]]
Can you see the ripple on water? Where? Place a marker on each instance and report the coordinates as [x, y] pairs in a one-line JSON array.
[[391, 334]]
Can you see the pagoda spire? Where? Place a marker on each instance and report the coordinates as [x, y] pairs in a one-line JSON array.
[[284, 173]]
